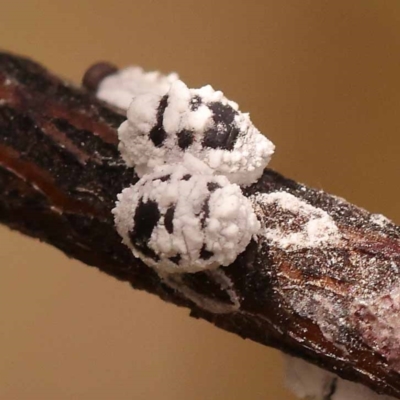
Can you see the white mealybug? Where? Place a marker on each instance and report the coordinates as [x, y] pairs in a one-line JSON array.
[[191, 148], [122, 86], [161, 128], [183, 218]]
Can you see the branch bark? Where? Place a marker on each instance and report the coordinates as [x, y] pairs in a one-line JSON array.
[[60, 173]]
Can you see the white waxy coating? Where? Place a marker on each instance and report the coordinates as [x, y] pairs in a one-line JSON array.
[[202, 220], [309, 382], [203, 122], [306, 380], [120, 88], [191, 147], [317, 229], [377, 318]]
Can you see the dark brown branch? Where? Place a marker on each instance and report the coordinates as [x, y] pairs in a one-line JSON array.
[[60, 173]]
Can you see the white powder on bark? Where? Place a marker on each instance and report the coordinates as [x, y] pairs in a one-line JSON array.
[[314, 229], [380, 220]]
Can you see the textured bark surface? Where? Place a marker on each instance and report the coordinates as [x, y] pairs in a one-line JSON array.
[[60, 173]]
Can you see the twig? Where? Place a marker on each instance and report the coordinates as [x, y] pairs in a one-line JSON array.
[[331, 304]]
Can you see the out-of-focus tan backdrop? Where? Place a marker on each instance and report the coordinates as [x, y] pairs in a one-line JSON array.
[[320, 78]]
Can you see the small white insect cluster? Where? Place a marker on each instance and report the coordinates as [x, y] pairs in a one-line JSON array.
[[192, 148]]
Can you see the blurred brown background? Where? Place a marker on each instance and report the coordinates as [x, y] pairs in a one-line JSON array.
[[321, 79]]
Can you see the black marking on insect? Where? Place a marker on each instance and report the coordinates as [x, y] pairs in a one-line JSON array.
[[168, 219], [157, 133], [222, 113], [205, 212], [185, 138], [224, 133], [213, 186], [163, 178], [186, 177], [205, 254], [176, 259], [195, 103], [145, 220]]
